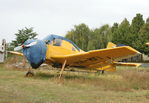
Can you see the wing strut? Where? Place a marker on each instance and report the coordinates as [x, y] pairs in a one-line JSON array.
[[63, 67]]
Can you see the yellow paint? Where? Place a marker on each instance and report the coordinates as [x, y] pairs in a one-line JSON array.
[[65, 49], [111, 45], [110, 67]]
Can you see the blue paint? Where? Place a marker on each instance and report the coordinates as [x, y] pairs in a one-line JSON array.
[[120, 45], [35, 54]]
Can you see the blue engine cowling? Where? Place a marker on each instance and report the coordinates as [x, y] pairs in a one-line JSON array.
[[35, 54]]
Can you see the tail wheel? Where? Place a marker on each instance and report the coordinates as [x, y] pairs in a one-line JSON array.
[[102, 72]]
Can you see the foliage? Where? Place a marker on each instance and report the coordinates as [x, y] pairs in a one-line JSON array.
[[23, 35], [135, 34], [102, 36], [137, 23], [80, 35], [122, 33], [88, 39]]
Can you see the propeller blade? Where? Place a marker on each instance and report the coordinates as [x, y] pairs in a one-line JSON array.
[[31, 44], [18, 48]]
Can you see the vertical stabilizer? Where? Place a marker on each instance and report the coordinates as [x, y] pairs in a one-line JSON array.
[[111, 45]]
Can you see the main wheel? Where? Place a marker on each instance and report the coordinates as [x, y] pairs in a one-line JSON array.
[[29, 74]]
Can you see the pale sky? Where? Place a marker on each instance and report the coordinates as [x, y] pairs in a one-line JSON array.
[[60, 16]]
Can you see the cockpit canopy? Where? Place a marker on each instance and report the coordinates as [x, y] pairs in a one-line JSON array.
[[58, 40]]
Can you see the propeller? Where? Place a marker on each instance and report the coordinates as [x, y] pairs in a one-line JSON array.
[[18, 48]]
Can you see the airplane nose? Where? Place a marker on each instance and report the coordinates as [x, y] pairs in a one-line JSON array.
[[35, 54]]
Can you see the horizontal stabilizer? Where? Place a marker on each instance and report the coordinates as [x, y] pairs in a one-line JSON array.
[[110, 67], [127, 64]]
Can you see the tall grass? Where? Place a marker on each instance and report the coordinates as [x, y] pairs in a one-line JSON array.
[[123, 80], [125, 85]]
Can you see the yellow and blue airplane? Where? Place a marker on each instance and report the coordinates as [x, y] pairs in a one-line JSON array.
[[61, 52]]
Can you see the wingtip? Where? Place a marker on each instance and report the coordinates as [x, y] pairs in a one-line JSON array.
[[134, 50]]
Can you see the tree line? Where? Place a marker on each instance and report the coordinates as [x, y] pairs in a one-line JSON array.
[[134, 33]]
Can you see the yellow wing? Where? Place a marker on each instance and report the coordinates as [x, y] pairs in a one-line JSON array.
[[96, 57], [16, 53]]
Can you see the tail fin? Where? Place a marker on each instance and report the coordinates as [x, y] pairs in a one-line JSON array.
[[111, 45]]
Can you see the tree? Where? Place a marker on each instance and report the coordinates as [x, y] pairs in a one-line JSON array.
[[114, 31], [121, 35], [80, 35], [137, 23], [23, 35], [145, 27], [144, 38], [92, 41], [102, 36]]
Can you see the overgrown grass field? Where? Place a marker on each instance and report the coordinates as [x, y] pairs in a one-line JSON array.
[[126, 85]]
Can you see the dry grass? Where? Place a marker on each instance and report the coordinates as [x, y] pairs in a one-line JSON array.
[[126, 85]]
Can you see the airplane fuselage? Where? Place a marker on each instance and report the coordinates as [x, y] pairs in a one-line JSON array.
[[65, 48]]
